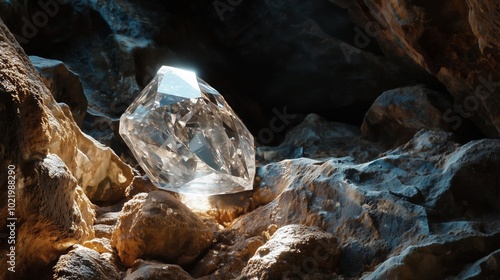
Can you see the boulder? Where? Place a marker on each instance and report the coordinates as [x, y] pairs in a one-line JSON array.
[[153, 270], [295, 251], [84, 263], [398, 114], [158, 226]]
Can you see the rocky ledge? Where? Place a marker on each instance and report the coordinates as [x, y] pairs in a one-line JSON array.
[[411, 192]]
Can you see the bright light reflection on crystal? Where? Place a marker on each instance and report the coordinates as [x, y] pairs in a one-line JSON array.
[[187, 138]]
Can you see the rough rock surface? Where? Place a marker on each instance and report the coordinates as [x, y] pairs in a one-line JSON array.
[[408, 197], [56, 165], [152, 270], [84, 263], [64, 85], [158, 226], [456, 41], [294, 251], [398, 114]]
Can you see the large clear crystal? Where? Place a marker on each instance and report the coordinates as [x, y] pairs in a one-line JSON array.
[[187, 138]]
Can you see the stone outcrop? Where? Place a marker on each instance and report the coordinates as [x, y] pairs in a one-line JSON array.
[[408, 197], [58, 168], [64, 85]]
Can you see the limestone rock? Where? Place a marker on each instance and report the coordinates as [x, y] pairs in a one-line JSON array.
[[84, 263], [54, 161], [64, 85], [152, 270], [158, 226], [100, 245], [378, 208], [56, 213], [295, 251]]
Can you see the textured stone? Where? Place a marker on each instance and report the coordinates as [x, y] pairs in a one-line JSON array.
[[158, 226], [459, 47], [64, 85], [84, 263], [294, 251], [54, 162], [318, 138], [438, 259], [55, 211], [485, 268], [152, 270], [187, 138], [228, 257], [100, 245], [398, 114]]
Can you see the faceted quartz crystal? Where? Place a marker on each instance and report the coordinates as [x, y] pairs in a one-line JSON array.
[[187, 138]]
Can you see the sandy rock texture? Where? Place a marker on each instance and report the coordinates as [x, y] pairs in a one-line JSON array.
[[155, 270], [294, 251], [158, 226], [59, 170], [84, 263], [64, 85]]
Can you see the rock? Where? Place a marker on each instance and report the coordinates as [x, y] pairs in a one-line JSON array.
[[380, 207], [460, 48], [152, 270], [436, 260], [84, 263], [398, 114], [53, 161], [295, 251], [56, 214], [317, 138], [158, 226], [484, 268], [228, 257], [64, 85], [100, 245], [474, 164]]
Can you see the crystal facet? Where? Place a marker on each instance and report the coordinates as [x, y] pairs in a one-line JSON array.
[[187, 138]]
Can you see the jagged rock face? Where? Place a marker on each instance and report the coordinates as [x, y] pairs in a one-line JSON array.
[[64, 85], [387, 211], [456, 41], [58, 168]]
